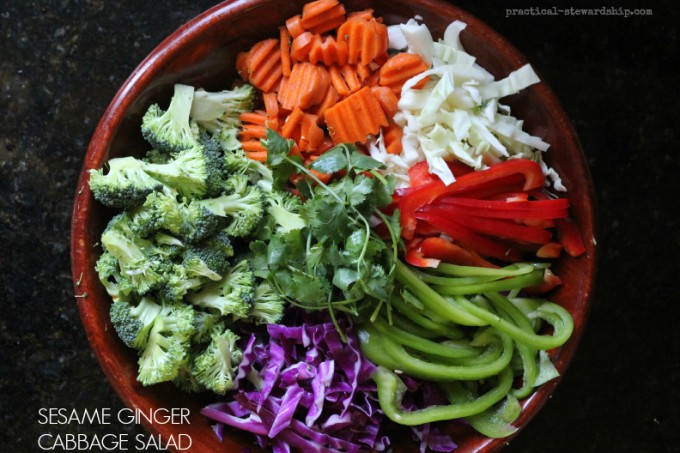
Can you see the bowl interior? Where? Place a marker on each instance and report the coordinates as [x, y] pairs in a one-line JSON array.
[[202, 53]]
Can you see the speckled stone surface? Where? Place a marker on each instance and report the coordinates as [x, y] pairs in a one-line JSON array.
[[61, 62]]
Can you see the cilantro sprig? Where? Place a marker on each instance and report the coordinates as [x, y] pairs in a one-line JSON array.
[[337, 261]]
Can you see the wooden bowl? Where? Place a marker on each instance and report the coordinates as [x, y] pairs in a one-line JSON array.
[[202, 53]]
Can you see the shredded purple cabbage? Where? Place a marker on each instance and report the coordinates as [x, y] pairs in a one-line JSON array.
[[302, 388]]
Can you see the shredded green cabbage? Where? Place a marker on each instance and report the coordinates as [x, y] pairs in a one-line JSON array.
[[457, 115]]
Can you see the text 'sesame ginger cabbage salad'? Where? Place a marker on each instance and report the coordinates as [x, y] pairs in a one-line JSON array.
[[355, 236]]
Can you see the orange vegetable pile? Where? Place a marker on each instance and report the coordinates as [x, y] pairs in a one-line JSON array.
[[326, 79]]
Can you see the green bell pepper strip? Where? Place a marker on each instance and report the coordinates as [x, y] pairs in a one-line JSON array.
[[391, 391], [449, 349], [433, 300], [533, 278], [412, 313], [495, 422], [555, 315], [512, 270], [437, 370]]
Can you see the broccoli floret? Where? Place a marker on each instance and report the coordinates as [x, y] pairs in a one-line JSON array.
[[243, 204], [178, 284], [167, 345], [220, 242], [191, 172], [232, 295], [215, 367], [171, 131], [205, 262], [186, 219], [205, 324], [109, 274], [268, 305], [133, 323], [170, 246], [141, 263], [284, 209], [212, 150], [228, 139], [236, 162], [126, 184], [219, 110], [185, 379], [156, 156]]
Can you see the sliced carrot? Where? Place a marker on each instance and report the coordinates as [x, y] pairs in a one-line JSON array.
[[292, 122], [355, 118], [401, 67], [260, 156], [252, 131], [311, 135], [242, 65], [285, 41], [366, 39], [388, 100], [328, 51], [328, 101], [366, 14], [306, 86], [338, 81], [349, 74], [294, 26], [252, 146], [321, 16], [302, 44], [271, 106], [264, 64], [257, 117], [392, 135]]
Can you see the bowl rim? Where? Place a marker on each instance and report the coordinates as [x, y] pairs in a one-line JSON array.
[[149, 68]]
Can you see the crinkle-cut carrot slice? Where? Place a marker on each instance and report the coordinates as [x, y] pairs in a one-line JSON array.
[[388, 100], [252, 131], [252, 145], [328, 51], [285, 41], [322, 16], [328, 101], [392, 135], [264, 64], [242, 65], [306, 86], [302, 44], [260, 156], [338, 81], [271, 106], [257, 117], [366, 14], [401, 67], [311, 135], [294, 26], [366, 39], [292, 122], [355, 118]]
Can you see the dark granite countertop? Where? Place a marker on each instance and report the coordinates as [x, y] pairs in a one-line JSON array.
[[62, 62]]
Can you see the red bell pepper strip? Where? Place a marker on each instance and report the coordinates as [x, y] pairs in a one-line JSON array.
[[419, 173], [447, 251], [538, 209], [427, 193], [549, 250], [415, 257], [497, 228], [484, 246], [570, 237]]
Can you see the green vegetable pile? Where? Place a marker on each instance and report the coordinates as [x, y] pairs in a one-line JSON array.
[[175, 259]]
